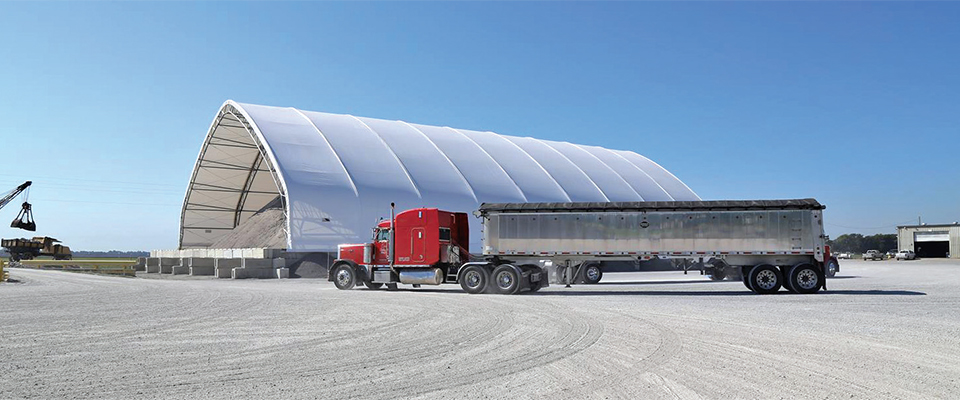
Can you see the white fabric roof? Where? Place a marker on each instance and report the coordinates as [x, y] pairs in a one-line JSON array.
[[338, 174]]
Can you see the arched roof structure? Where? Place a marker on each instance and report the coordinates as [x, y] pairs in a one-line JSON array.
[[336, 175]]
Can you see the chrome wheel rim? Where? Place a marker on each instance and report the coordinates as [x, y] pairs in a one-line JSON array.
[[593, 273], [766, 280], [343, 277], [833, 268], [505, 280], [472, 279], [807, 279]]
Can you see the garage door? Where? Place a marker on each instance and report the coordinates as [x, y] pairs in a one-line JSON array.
[[931, 237], [931, 244]]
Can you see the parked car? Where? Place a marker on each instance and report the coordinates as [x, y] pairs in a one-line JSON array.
[[873, 255], [844, 256], [905, 255]]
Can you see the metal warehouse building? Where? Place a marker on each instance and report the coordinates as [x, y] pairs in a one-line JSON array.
[[930, 240], [303, 182]]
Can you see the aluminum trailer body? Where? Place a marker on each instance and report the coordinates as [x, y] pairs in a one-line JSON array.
[[739, 234]]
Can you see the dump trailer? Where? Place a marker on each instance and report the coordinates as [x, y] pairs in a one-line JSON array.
[[27, 249], [773, 244]]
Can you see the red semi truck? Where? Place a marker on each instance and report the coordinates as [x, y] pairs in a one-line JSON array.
[[771, 244], [429, 247]]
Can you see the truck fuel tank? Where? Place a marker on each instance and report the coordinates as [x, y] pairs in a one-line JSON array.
[[421, 276]]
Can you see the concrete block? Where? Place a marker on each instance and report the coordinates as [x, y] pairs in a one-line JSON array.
[[253, 263], [199, 262], [141, 265], [153, 265], [202, 270], [179, 270], [223, 266], [283, 273], [166, 264], [252, 273]]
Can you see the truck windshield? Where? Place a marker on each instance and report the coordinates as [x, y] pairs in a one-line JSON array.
[[383, 235]]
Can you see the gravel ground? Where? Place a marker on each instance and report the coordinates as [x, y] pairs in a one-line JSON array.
[[884, 330]]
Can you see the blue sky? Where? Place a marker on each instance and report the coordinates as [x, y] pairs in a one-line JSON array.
[[105, 105]]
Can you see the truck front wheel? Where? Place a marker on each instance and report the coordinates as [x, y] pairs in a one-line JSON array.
[[832, 267], [345, 277], [474, 279]]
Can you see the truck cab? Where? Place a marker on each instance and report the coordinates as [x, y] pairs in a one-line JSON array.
[[417, 246]]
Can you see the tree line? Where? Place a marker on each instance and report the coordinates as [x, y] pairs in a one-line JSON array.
[[857, 243]]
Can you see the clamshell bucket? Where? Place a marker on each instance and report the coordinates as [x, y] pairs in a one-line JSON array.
[[24, 219]]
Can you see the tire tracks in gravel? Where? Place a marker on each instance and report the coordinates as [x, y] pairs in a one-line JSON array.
[[575, 335], [206, 298], [670, 346], [399, 350], [764, 360], [773, 361]]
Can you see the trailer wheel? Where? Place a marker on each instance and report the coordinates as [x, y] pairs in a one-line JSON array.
[[474, 279], [591, 274], [765, 279], [345, 277], [506, 279], [372, 286], [804, 278]]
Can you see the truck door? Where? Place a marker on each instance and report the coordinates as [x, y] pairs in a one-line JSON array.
[[418, 249], [382, 243]]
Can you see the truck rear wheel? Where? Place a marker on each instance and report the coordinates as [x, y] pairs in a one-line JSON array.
[[804, 278], [506, 279], [474, 279], [765, 279], [345, 277]]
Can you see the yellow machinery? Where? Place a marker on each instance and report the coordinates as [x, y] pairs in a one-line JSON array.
[[28, 249]]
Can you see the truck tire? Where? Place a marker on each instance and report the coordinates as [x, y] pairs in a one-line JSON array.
[[474, 279], [344, 277], [744, 274], [765, 279], [592, 274], [832, 267], [804, 278], [506, 279], [372, 286]]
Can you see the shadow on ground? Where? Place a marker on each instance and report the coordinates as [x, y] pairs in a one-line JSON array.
[[703, 293]]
